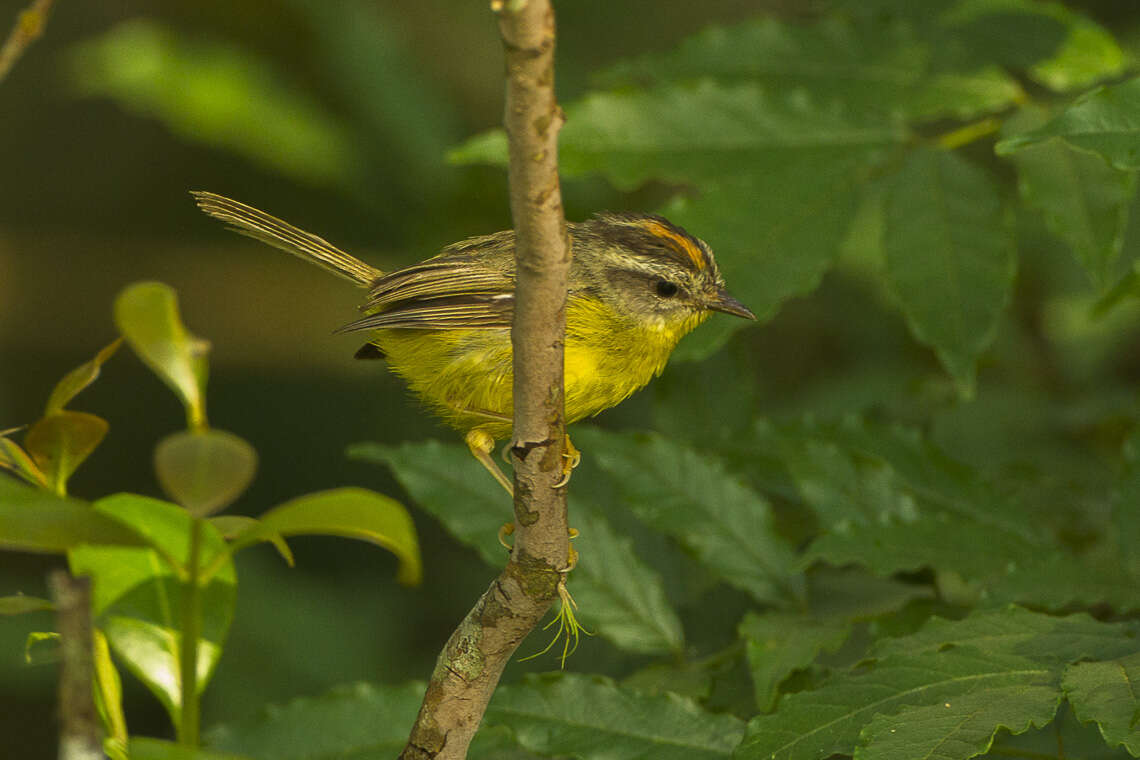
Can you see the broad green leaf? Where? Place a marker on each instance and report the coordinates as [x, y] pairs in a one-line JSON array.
[[616, 592], [813, 724], [146, 748], [1014, 630], [108, 691], [1109, 694], [218, 94], [696, 501], [777, 644], [1106, 122], [34, 520], [232, 526], [349, 512], [620, 598], [950, 257], [146, 313], [1085, 202], [592, 718], [1013, 33], [138, 593], [352, 722], [78, 379], [15, 459], [961, 727], [1088, 55], [20, 604], [867, 67], [204, 470], [60, 442]]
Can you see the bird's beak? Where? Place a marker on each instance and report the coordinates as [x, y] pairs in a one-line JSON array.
[[723, 302]]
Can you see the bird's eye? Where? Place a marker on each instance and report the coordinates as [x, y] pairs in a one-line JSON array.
[[666, 289]]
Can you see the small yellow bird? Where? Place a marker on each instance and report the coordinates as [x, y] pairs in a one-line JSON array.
[[637, 285]]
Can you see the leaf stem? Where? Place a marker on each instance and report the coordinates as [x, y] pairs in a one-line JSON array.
[[188, 726], [969, 133]]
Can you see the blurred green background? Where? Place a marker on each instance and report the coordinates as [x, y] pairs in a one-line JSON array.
[[337, 116]]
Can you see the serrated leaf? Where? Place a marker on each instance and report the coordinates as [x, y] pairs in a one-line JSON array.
[[622, 599], [868, 67], [60, 442], [137, 593], [777, 644], [1043, 638], [35, 520], [1106, 122], [959, 728], [592, 718], [78, 379], [146, 313], [950, 257], [351, 722], [813, 724], [616, 592], [1109, 694], [21, 605], [349, 512], [1085, 202], [204, 470], [698, 502]]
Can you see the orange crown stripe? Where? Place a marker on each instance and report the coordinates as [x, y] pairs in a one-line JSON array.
[[685, 244]]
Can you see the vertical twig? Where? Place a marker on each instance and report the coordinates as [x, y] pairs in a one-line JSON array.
[[29, 26], [471, 662], [80, 737]]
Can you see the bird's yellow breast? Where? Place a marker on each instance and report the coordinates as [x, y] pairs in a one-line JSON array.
[[465, 375]]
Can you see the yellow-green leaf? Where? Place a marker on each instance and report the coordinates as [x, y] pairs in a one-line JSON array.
[[146, 313], [14, 458], [60, 442], [349, 512], [232, 526], [204, 470], [34, 520], [78, 379], [109, 691], [19, 604]]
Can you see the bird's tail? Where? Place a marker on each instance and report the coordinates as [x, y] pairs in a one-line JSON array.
[[248, 221]]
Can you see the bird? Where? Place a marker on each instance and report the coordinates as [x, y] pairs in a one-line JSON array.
[[637, 284]]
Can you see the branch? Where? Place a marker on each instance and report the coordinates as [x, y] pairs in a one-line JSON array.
[[29, 26], [469, 667], [79, 733]]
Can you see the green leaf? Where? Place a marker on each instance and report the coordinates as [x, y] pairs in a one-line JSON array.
[[41, 648], [145, 748], [1085, 202], [867, 67], [60, 442], [950, 257], [137, 593], [1109, 694], [959, 728], [15, 459], [146, 313], [616, 592], [620, 598], [778, 644], [34, 520], [351, 722], [20, 605], [1106, 122], [204, 470], [1047, 639], [217, 94], [232, 526], [696, 501], [592, 718], [349, 512], [1088, 55], [78, 379], [813, 724], [108, 691]]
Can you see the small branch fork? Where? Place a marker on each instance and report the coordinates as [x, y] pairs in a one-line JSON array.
[[471, 662]]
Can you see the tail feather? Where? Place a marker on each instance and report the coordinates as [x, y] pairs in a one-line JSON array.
[[248, 221]]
